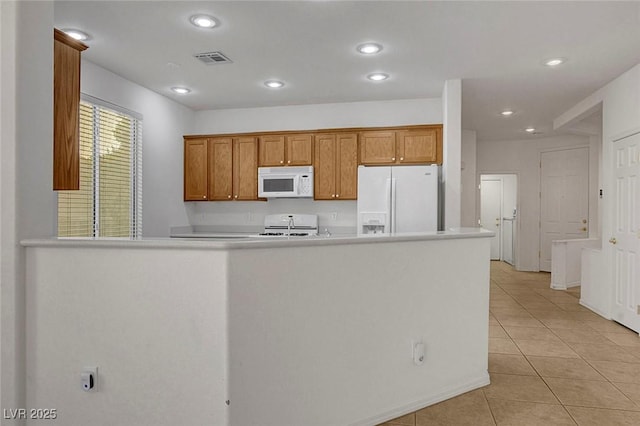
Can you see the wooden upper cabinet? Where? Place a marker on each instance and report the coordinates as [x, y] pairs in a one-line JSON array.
[[422, 145], [336, 166], [195, 170], [299, 150], [220, 158], [289, 150], [347, 166], [245, 168], [418, 146], [66, 111], [232, 169], [378, 147], [272, 150], [324, 170]]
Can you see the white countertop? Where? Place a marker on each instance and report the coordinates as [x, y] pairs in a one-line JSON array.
[[217, 241]]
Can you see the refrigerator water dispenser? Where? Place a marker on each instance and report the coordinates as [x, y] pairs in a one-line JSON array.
[[373, 222]]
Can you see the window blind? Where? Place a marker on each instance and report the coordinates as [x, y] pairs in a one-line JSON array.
[[109, 201]]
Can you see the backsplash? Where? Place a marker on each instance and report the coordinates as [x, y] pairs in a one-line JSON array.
[[337, 216]]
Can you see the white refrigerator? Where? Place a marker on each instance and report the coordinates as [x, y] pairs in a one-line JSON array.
[[398, 199]]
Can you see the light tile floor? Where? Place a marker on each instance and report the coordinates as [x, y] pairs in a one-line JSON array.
[[551, 362]]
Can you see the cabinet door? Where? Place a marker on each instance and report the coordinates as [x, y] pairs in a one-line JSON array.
[[378, 147], [195, 170], [299, 150], [324, 170], [245, 168], [347, 166], [271, 151], [220, 169], [66, 112], [418, 146]]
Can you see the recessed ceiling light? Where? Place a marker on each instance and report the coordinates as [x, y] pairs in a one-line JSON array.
[[555, 62], [203, 21], [529, 130], [369, 48], [273, 84], [507, 112], [181, 90], [378, 76], [76, 34]]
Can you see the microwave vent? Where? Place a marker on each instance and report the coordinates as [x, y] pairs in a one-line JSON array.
[[212, 58]]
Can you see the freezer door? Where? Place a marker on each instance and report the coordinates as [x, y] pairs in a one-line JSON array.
[[415, 199], [374, 198]]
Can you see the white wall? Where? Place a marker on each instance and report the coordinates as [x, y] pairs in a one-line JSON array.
[[8, 267], [319, 116], [469, 184], [620, 102], [27, 198], [164, 123], [452, 148], [155, 326], [332, 214], [522, 157]]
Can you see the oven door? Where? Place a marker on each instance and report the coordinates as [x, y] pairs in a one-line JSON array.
[[278, 185]]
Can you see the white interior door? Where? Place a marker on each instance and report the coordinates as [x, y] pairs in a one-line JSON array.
[[626, 232], [491, 212], [564, 199]]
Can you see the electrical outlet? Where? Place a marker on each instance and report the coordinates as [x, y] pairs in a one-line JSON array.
[[334, 216], [418, 353], [89, 379]]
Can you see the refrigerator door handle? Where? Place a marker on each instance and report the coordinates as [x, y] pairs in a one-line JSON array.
[[393, 205], [388, 191]]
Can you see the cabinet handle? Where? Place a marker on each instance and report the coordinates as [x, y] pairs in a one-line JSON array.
[[228, 196], [393, 158], [337, 195], [281, 162], [289, 162], [584, 220], [333, 195], [236, 196], [584, 229], [401, 158], [204, 197]]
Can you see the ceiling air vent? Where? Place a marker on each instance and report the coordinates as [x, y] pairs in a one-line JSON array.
[[211, 58]]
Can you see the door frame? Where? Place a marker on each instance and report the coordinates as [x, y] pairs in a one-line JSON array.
[[589, 173], [516, 225]]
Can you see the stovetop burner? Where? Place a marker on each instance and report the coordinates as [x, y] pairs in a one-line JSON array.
[[281, 234]]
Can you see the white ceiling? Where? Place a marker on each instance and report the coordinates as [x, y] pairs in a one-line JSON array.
[[496, 48]]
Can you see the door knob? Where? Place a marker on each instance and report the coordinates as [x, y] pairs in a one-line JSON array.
[[612, 240], [584, 220], [584, 229]]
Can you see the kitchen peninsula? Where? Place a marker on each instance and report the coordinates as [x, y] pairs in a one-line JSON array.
[[314, 331]]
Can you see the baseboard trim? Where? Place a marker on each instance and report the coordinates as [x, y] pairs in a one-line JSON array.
[[467, 386], [595, 310]]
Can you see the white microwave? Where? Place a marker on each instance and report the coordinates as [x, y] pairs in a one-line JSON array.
[[285, 182]]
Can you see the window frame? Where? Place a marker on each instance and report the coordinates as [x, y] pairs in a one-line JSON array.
[[135, 172]]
